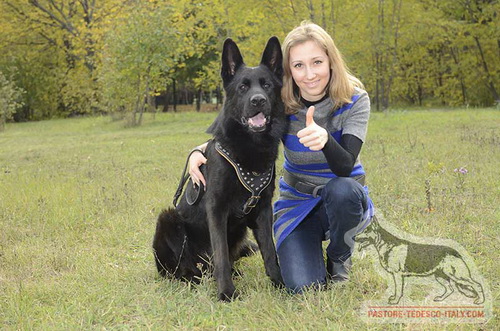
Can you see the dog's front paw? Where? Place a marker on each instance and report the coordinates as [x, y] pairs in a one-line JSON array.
[[274, 273], [228, 295], [278, 281]]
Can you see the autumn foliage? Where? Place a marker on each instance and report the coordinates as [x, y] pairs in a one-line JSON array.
[[74, 57]]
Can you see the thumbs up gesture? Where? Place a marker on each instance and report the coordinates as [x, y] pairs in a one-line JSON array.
[[312, 136]]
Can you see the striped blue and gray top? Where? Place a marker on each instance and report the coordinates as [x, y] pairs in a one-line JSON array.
[[311, 166]]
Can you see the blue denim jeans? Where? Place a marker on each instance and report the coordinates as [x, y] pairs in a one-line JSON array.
[[336, 218]]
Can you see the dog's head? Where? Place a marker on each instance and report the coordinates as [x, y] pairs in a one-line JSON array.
[[252, 93]]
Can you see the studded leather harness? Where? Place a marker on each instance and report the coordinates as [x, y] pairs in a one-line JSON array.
[[254, 182]]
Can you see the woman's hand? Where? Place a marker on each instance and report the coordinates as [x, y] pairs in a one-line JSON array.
[[312, 136], [195, 161]]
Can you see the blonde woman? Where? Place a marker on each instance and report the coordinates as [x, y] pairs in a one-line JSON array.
[[321, 194]]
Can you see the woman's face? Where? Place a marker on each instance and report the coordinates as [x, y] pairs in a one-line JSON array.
[[310, 69]]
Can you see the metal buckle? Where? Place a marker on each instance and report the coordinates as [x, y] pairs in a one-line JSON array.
[[317, 190], [251, 203]]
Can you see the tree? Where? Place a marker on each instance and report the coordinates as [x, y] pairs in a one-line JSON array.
[[473, 46], [90, 56], [71, 32], [139, 53], [10, 99]]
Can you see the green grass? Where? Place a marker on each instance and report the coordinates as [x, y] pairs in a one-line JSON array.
[[79, 200]]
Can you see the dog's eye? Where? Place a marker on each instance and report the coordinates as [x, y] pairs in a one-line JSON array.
[[243, 87], [266, 85]]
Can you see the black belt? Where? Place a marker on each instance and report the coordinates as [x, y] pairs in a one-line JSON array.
[[309, 188]]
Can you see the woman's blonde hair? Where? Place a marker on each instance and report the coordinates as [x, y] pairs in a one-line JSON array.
[[342, 83]]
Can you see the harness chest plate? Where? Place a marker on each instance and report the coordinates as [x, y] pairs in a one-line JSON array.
[[254, 182]]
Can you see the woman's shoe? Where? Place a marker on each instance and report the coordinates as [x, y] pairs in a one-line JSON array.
[[338, 271]]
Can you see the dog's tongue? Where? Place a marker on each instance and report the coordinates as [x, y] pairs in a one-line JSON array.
[[257, 120]]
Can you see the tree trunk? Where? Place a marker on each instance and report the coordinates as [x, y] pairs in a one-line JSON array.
[[166, 100], [141, 112], [198, 100], [151, 103], [332, 16], [310, 7], [454, 55], [218, 97], [440, 74], [379, 57], [490, 84], [2, 121], [377, 82], [188, 96], [420, 92], [382, 48], [174, 91], [133, 120], [139, 96], [396, 18], [323, 15]]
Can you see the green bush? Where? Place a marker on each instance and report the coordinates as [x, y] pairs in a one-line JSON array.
[[10, 99]]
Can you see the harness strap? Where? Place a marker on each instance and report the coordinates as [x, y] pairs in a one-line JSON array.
[[254, 182]]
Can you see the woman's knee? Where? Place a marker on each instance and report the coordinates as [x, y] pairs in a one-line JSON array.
[[343, 190]]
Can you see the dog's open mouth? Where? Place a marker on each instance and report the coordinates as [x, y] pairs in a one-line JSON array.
[[257, 122]]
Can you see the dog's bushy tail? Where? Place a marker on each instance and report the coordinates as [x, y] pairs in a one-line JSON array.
[[169, 242]]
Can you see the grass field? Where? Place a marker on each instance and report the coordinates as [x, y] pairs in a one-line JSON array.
[[79, 200]]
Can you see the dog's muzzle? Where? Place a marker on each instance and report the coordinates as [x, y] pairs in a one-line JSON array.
[[256, 123]]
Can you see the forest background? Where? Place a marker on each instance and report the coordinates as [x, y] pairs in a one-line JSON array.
[[79, 197], [76, 57]]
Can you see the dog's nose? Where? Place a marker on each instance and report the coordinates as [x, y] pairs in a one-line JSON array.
[[258, 100]]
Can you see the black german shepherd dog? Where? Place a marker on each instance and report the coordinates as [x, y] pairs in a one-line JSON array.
[[246, 131]]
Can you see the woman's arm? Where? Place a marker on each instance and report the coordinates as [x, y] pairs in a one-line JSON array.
[[341, 157], [195, 161]]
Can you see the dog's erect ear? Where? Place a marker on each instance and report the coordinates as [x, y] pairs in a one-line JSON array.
[[231, 61], [273, 58]]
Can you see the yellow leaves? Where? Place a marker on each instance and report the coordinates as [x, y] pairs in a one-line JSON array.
[[435, 59]]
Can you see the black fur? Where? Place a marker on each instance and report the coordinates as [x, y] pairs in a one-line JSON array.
[[188, 237]]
